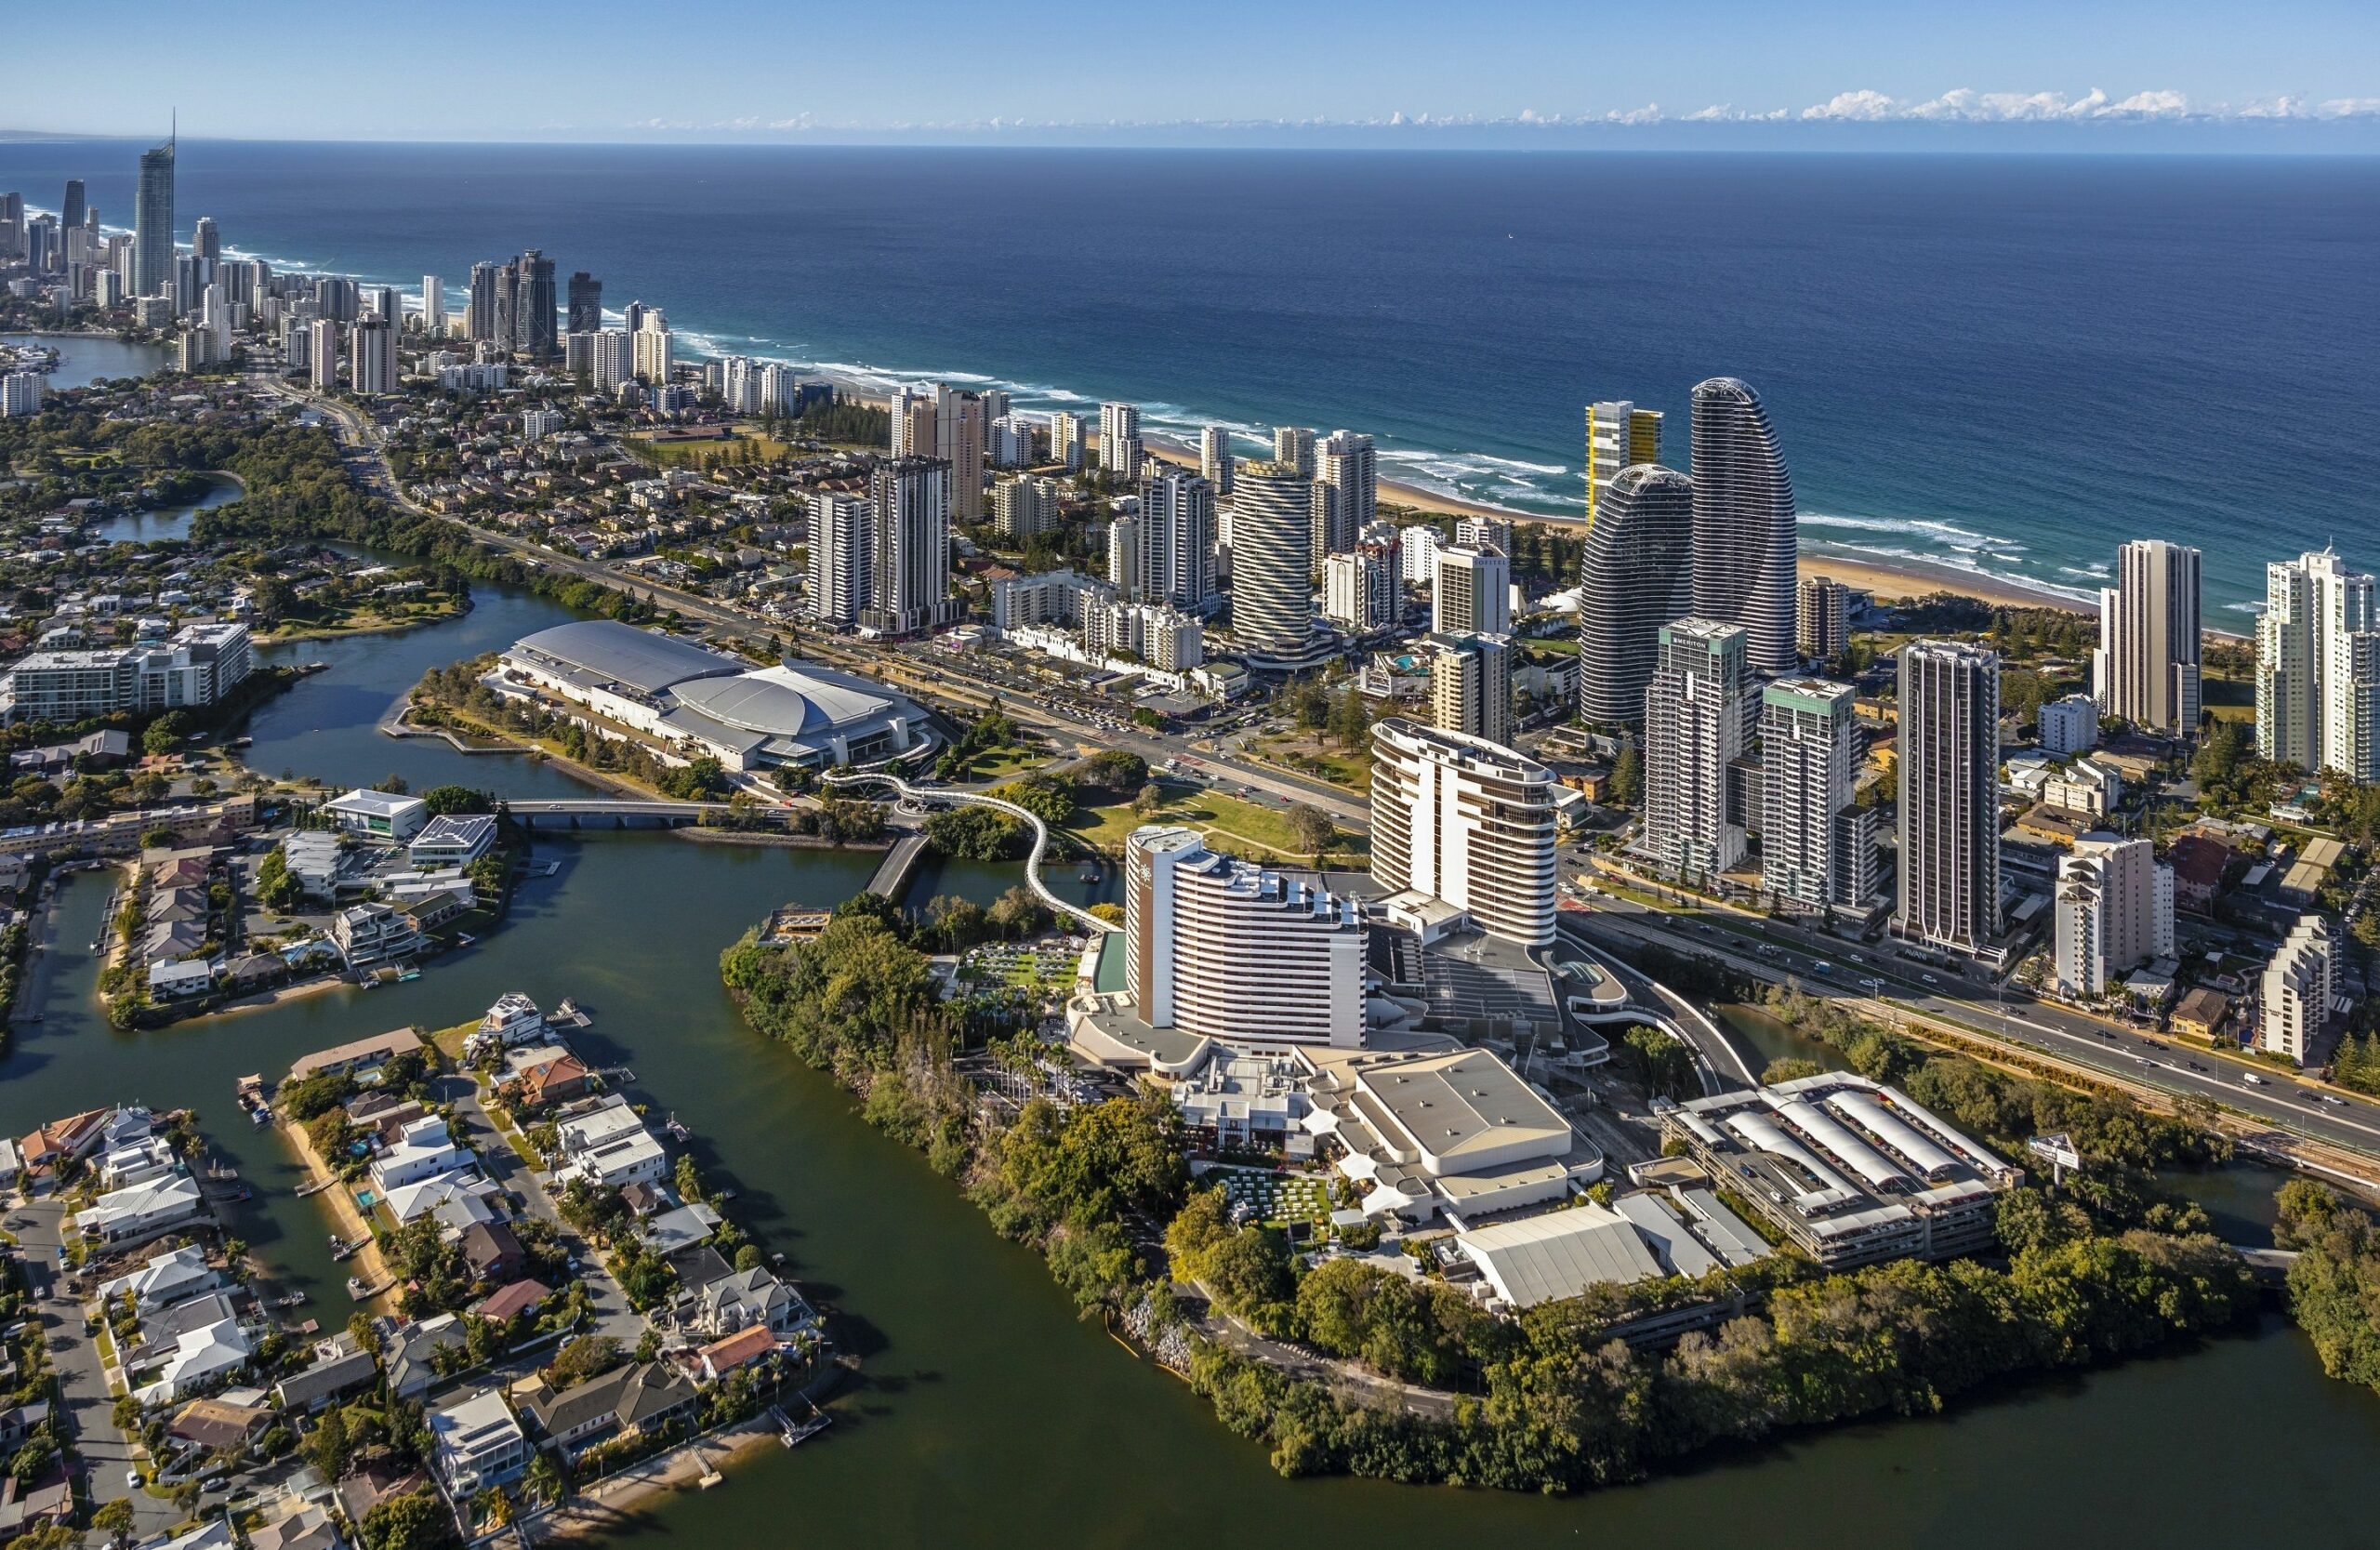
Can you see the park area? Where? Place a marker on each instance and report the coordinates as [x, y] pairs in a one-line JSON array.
[[1245, 828], [1026, 967]]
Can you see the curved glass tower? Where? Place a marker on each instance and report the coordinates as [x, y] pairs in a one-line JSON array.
[[1272, 592], [1744, 540], [1636, 574]]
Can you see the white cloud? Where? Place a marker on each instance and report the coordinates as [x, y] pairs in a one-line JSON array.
[[1858, 107], [1649, 114], [2352, 107]]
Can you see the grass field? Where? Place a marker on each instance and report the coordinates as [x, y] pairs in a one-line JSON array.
[[670, 454], [1310, 755], [1244, 828]]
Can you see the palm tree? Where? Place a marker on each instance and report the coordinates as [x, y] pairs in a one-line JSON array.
[[547, 1479]]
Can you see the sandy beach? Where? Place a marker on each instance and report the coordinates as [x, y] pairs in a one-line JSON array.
[[607, 1508], [344, 1217], [1891, 581]]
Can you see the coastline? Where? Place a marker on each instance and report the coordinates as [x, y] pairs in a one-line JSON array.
[[606, 1507]]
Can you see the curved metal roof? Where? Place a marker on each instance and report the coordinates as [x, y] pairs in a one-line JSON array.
[[626, 654]]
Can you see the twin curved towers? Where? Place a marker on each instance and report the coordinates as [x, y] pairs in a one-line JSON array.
[[1719, 545]]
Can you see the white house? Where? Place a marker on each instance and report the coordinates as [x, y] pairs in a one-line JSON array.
[[477, 1443], [122, 1215], [199, 1355], [513, 1020], [607, 1144], [370, 933], [424, 1150], [168, 1279]]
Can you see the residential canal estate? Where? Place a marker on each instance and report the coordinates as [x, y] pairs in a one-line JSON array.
[[986, 1413]]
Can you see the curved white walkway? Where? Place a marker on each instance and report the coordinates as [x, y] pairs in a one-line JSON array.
[[976, 799]]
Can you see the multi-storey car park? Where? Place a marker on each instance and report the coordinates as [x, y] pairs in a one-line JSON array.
[[1850, 1170]]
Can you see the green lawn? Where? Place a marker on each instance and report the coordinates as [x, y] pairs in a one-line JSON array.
[[1279, 1198], [1310, 756], [1245, 829]]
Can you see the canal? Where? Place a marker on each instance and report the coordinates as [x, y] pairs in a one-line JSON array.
[[988, 1414], [82, 358]]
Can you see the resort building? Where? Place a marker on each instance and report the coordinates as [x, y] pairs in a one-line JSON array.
[[1471, 684], [695, 701], [1847, 1169], [1222, 948], [1271, 593], [1822, 627], [2317, 667], [2145, 669], [2069, 726], [1465, 820], [201, 664]]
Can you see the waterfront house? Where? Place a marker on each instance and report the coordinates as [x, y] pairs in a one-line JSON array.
[[741, 1349], [372, 933], [671, 1231], [476, 1443], [125, 1216], [378, 815], [605, 1143], [745, 1298], [426, 1150], [553, 1076], [514, 1020], [356, 1057], [177, 981], [71, 1139], [199, 1356], [449, 840], [626, 1402], [408, 1203], [306, 1529]]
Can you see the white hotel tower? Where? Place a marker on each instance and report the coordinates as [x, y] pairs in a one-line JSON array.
[[1219, 949]]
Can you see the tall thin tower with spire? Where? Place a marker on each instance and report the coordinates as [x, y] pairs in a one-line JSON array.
[[152, 218]]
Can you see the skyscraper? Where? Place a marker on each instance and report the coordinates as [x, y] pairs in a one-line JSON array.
[[1176, 563], [1619, 435], [387, 303], [841, 555], [153, 222], [1694, 731], [2145, 669], [1272, 599], [913, 424], [1463, 820], [533, 311], [586, 303], [1119, 441], [322, 353], [1814, 847], [75, 211], [1067, 432], [479, 317], [2317, 667], [372, 355], [1352, 593], [206, 242], [1948, 811], [1347, 464], [434, 307], [651, 347], [12, 225], [909, 557], [1223, 950], [2115, 912], [1636, 574], [1472, 592], [613, 359], [1471, 685], [1744, 530], [1214, 458], [1293, 447], [959, 441]]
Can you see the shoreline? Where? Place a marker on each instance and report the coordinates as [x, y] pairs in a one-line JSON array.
[[366, 1263], [606, 1505]]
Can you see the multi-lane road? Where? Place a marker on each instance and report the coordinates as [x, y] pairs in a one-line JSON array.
[[1877, 981]]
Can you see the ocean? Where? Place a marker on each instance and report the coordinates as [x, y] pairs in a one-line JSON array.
[[2007, 364]]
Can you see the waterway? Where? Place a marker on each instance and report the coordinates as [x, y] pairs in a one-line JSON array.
[[165, 523], [988, 1414], [85, 358]]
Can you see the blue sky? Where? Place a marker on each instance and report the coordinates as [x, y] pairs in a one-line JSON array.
[[2124, 71]]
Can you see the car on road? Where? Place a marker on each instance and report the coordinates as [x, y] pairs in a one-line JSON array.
[[2333, 1100], [2252, 1079], [1929, 979], [132, 1479], [1822, 967]]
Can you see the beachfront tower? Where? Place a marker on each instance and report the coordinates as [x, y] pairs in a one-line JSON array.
[[1119, 441], [1619, 435], [909, 565], [2146, 670], [1214, 458], [1744, 539], [1636, 576]]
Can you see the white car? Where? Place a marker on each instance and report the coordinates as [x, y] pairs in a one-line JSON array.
[[2252, 1079]]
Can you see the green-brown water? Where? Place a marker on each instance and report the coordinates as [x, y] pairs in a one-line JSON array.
[[989, 1416]]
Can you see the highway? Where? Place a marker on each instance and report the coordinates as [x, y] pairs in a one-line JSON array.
[[1876, 983]]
